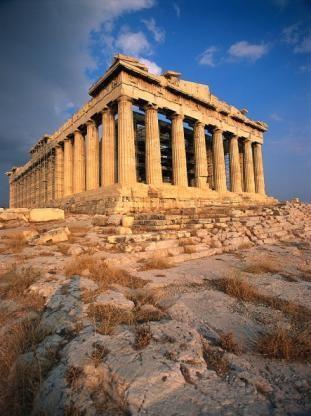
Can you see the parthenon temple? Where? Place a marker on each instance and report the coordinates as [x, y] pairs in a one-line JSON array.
[[144, 142]]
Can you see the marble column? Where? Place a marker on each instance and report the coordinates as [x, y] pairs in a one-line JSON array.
[[108, 168], [200, 155], [126, 143], [235, 169], [258, 169], [59, 172], [180, 177], [248, 167], [219, 161], [92, 156], [78, 162], [153, 150], [68, 166]]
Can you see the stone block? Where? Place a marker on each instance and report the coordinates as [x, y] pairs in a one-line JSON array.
[[127, 221], [114, 219], [56, 235], [115, 299], [46, 214], [99, 220], [123, 230]]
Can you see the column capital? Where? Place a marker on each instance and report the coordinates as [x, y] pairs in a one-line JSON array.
[[90, 122], [150, 105], [124, 98], [234, 137], [176, 116], [199, 123], [217, 129], [67, 139], [77, 130], [106, 109]]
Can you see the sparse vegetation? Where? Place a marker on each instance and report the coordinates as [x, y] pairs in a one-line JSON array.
[[288, 344], [13, 244], [215, 359], [143, 336], [108, 317], [14, 283], [228, 343], [102, 273], [99, 353], [156, 263], [263, 264], [73, 375]]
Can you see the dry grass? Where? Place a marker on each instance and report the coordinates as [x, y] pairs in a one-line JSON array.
[[108, 317], [144, 315], [99, 353], [286, 344], [143, 337], [228, 343], [73, 375], [102, 273], [14, 283], [215, 360], [16, 396], [14, 243], [263, 264], [156, 263]]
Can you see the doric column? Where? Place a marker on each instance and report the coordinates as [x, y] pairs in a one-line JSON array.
[[108, 168], [78, 162], [180, 177], [235, 169], [258, 168], [153, 150], [68, 166], [219, 161], [126, 142], [92, 156], [200, 155], [248, 167], [59, 172]]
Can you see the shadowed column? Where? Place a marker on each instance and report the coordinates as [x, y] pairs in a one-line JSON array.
[[179, 151], [92, 156], [126, 142], [248, 167], [258, 167], [153, 151], [78, 162], [200, 155], [219, 161], [68, 166], [235, 169], [59, 171], [108, 148]]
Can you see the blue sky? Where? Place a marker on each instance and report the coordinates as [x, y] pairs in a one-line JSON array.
[[253, 54]]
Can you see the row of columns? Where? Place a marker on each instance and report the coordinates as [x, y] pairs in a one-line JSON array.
[[76, 165]]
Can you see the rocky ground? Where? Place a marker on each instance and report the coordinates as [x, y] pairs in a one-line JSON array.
[[90, 331]]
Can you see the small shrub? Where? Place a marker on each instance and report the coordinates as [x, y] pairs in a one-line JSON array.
[[156, 263], [228, 343], [15, 282], [143, 337], [263, 264], [72, 375], [14, 243], [215, 360], [144, 315], [99, 353], [286, 344], [108, 317]]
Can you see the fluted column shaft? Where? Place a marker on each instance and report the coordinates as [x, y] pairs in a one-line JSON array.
[[92, 155], [200, 155], [68, 166], [180, 177], [249, 167], [78, 162], [153, 150], [126, 143], [108, 168], [59, 172], [219, 161], [258, 169], [235, 169]]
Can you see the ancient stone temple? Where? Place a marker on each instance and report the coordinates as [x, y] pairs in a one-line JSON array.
[[145, 142]]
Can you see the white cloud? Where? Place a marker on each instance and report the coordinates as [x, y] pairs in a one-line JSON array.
[[304, 46], [157, 32], [246, 50], [276, 117], [291, 34], [177, 9], [152, 66], [133, 43], [207, 57], [305, 68]]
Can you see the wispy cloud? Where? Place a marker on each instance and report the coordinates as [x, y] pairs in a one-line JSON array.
[[152, 66], [208, 56], [276, 117], [298, 36], [248, 51], [177, 9], [157, 32]]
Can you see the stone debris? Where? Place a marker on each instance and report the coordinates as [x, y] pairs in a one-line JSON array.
[[46, 214], [115, 299], [56, 235]]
